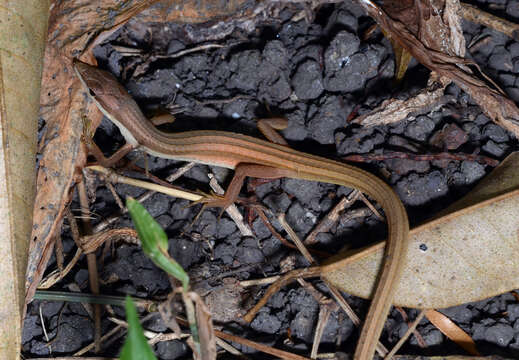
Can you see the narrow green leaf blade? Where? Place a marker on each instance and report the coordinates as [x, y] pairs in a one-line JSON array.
[[135, 347], [150, 232], [154, 241]]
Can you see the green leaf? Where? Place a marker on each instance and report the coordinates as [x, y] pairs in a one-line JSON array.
[[136, 346], [154, 241]]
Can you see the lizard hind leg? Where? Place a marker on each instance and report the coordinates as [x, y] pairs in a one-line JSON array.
[[233, 190]]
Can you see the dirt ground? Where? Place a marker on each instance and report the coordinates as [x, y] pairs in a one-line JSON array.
[[316, 75]]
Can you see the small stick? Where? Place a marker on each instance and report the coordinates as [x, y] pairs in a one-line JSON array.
[[115, 195], [232, 210], [91, 263], [56, 275], [475, 15], [230, 349], [58, 251], [222, 101], [292, 234], [73, 287], [331, 218], [261, 347], [44, 328], [150, 334], [381, 349], [324, 315], [282, 281], [408, 333], [92, 242], [370, 206], [263, 217], [73, 227], [269, 226], [419, 338], [189, 51], [256, 282], [475, 44], [108, 335]]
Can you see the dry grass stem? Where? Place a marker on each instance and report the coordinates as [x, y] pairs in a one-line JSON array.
[[115, 178]]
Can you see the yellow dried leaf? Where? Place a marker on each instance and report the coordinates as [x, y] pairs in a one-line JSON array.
[[23, 25]]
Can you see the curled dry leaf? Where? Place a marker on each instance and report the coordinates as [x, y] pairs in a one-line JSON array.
[[394, 110], [453, 66], [467, 254], [440, 31]]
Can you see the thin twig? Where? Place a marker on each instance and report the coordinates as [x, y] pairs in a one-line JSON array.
[[92, 242], [263, 217], [150, 334], [324, 315], [408, 333], [263, 348], [372, 207], [475, 15], [261, 213], [58, 250], [232, 210], [419, 338], [73, 287], [222, 101], [73, 227], [115, 195], [282, 281], [318, 296], [91, 263], [230, 349], [331, 218], [381, 349], [259, 282], [297, 241], [189, 51], [108, 335], [56, 275]]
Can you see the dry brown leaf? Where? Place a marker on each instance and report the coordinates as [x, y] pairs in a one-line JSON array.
[[23, 27], [425, 44], [439, 31], [204, 322], [466, 255], [394, 110], [452, 331], [74, 27]]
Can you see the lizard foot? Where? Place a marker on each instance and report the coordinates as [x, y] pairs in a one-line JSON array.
[[211, 200]]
